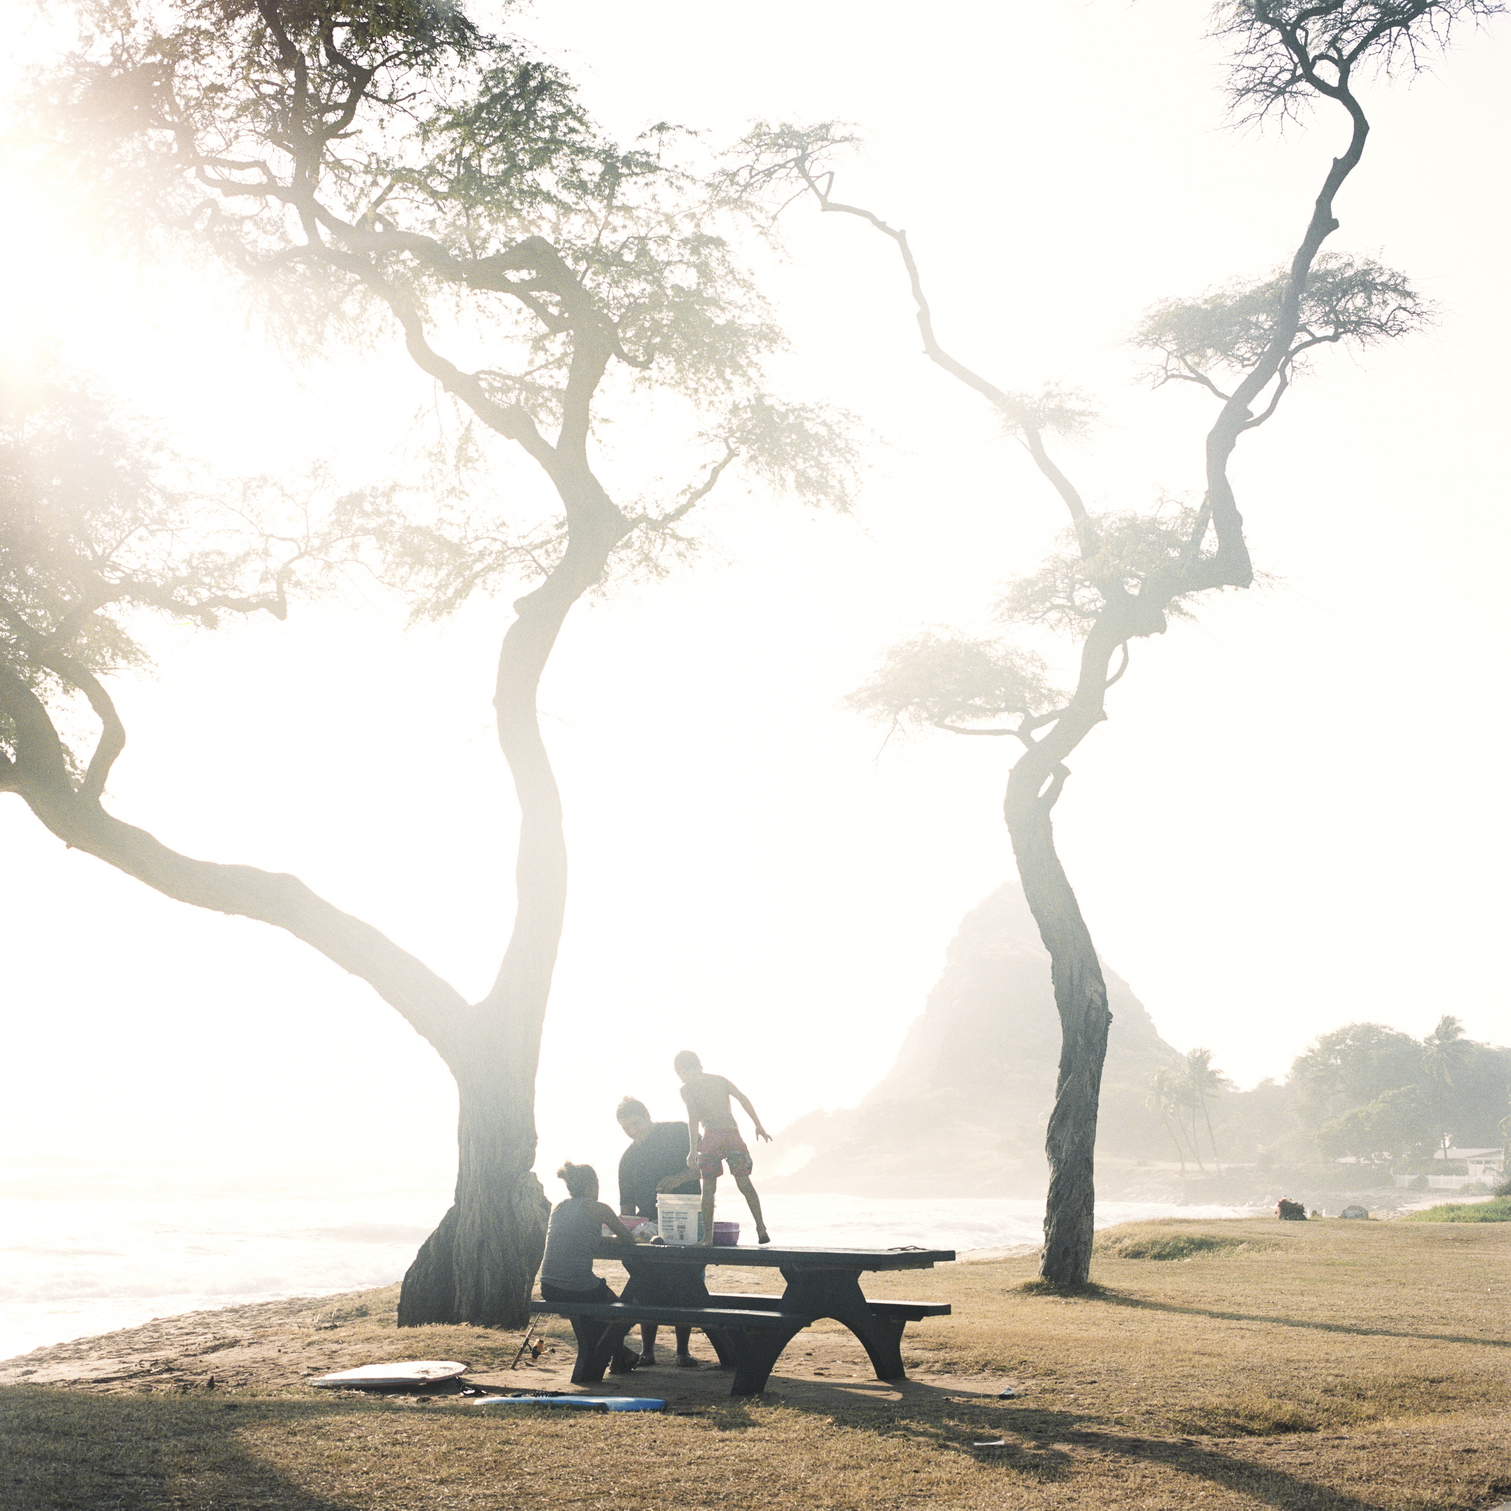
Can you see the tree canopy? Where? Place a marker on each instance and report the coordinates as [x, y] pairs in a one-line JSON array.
[[395, 172]]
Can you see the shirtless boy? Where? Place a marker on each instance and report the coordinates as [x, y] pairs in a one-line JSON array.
[[707, 1098]]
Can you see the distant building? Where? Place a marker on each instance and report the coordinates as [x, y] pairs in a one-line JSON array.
[[1482, 1167]]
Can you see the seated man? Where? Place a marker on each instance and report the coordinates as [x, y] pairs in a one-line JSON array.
[[655, 1161]]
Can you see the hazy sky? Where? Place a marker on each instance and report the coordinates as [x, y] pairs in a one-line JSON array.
[[1294, 818]]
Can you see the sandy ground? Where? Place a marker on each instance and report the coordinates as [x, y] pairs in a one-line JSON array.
[[280, 1344]]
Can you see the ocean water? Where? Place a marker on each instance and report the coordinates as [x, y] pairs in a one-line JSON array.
[[88, 1249]]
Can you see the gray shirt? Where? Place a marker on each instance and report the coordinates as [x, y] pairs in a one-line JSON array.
[[575, 1232]]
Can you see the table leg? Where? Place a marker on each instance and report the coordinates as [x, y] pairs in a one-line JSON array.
[[837, 1294], [596, 1345], [753, 1351]]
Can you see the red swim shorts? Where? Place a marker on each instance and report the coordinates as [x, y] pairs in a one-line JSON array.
[[720, 1145]]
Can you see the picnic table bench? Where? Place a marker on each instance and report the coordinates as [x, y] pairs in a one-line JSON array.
[[667, 1287]]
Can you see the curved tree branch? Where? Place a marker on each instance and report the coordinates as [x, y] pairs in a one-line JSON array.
[[430, 1005]]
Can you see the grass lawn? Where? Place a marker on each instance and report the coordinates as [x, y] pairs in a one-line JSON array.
[[1497, 1209], [1325, 1366]]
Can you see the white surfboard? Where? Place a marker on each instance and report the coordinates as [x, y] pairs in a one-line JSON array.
[[400, 1372]]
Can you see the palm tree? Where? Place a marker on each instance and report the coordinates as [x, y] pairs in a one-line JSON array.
[[1444, 1051], [1167, 1092], [1201, 1081]]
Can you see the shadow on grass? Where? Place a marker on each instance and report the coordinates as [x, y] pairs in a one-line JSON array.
[[1041, 1445], [72, 1451], [1118, 1298]]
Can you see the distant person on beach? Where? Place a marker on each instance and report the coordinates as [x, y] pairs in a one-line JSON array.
[[656, 1161], [572, 1239], [707, 1098]]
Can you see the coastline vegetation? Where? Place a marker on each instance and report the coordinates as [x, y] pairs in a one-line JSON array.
[[1497, 1209]]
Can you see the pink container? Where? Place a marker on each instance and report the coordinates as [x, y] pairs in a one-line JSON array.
[[726, 1233]]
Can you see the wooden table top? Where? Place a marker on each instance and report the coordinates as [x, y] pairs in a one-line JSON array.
[[768, 1256]]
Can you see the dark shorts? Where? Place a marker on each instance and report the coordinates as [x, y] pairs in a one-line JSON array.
[[599, 1292], [721, 1145]]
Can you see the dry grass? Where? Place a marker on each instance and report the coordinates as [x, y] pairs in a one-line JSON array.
[[1326, 1366]]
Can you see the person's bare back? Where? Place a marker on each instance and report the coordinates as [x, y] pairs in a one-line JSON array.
[[707, 1098], [714, 1137]]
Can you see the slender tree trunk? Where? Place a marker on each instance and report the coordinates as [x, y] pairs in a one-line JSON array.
[[1081, 1000], [1174, 1131], [1211, 1135], [479, 1264], [1201, 1164]]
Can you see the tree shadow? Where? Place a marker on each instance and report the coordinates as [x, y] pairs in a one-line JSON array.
[[74, 1449], [1037, 1444], [1117, 1298]]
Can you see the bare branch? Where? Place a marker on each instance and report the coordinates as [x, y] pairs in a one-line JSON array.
[[697, 495]]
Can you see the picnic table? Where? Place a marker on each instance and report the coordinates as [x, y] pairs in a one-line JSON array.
[[748, 1332]]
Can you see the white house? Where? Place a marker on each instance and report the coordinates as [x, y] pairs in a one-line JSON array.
[[1483, 1166]]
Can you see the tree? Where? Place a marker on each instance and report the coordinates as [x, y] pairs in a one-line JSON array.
[[1394, 1125], [1354, 1065], [1445, 1056], [1183, 1093], [1372, 1091], [1123, 576], [1203, 1083], [392, 168], [1168, 1095]]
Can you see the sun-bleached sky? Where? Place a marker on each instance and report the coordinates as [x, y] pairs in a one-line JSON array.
[[1293, 819]]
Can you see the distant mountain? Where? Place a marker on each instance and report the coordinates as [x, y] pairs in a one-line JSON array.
[[962, 1112]]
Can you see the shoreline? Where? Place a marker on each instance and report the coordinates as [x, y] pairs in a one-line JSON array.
[[105, 1313]]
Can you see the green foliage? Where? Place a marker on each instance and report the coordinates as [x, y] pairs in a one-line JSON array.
[[1497, 1209], [1172, 1246], [396, 160], [1131, 553], [1348, 302], [440, 542], [352, 153], [806, 450], [943, 679], [101, 528], [1375, 1093], [1183, 1095], [1353, 1065], [1385, 1129]]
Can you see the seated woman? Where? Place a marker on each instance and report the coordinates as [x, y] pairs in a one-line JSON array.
[[572, 1239]]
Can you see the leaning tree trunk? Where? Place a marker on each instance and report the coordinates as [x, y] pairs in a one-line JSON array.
[[1033, 788], [479, 1264], [1081, 1000]]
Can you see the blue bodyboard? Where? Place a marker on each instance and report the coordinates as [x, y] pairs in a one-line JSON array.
[[581, 1403]]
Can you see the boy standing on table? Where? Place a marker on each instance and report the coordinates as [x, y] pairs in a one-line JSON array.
[[707, 1098]]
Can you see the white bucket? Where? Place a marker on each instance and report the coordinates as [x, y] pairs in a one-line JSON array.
[[679, 1219]]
